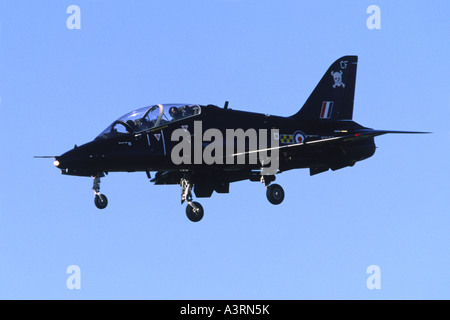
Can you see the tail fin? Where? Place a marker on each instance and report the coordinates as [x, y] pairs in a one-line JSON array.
[[333, 96]]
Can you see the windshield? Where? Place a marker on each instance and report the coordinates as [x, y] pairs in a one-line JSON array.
[[149, 117]]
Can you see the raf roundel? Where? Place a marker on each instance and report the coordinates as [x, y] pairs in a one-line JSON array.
[[299, 137]]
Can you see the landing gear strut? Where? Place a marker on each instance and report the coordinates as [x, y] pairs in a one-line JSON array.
[[194, 210], [274, 192], [100, 200]]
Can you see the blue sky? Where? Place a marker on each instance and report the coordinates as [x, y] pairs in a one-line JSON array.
[[60, 87]]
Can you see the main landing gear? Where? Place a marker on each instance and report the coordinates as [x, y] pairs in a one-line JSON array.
[[194, 210], [100, 200], [274, 192]]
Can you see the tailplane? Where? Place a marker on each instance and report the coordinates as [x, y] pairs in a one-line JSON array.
[[332, 99]]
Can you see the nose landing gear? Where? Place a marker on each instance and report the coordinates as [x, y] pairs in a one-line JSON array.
[[100, 200], [194, 210]]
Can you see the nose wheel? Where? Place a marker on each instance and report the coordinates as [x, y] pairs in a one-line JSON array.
[[194, 210], [100, 200]]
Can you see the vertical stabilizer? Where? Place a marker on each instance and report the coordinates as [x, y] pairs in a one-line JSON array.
[[332, 99]]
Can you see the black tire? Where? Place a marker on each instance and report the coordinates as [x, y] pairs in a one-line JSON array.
[[194, 216], [275, 194], [100, 201]]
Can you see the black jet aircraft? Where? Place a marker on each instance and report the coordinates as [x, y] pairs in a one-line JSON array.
[[320, 136]]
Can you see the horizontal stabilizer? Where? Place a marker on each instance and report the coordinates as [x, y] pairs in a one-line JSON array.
[[380, 132]]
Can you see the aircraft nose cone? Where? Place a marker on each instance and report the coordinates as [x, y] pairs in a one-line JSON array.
[[77, 161], [61, 162], [67, 160]]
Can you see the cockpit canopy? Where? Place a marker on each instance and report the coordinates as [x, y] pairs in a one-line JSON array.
[[149, 117]]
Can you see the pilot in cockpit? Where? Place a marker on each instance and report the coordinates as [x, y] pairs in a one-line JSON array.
[[132, 126], [142, 124], [187, 111], [175, 113]]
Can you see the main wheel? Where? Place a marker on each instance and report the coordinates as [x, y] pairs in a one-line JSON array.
[[275, 194], [100, 201], [194, 215]]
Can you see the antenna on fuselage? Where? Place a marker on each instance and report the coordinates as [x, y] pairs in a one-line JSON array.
[[226, 105]]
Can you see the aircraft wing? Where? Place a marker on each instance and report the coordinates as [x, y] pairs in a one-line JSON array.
[[354, 136], [174, 176]]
